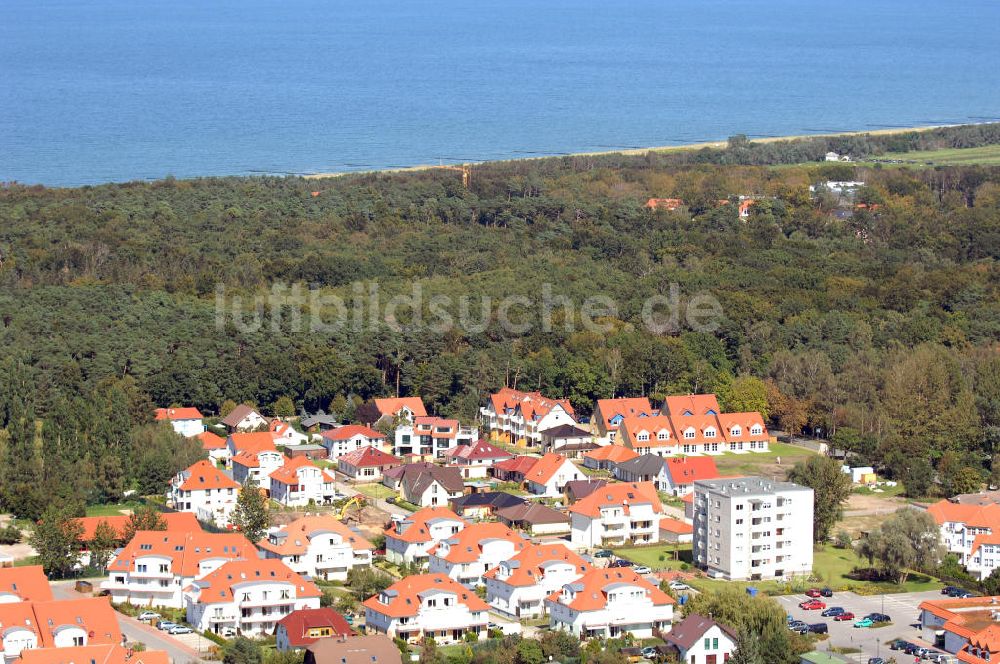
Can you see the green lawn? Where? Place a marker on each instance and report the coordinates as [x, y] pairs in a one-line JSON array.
[[988, 155], [650, 556], [116, 509], [379, 491], [765, 463]]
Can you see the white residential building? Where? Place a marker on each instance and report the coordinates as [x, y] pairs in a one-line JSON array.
[[519, 417], [475, 550], [244, 418], [257, 466], [427, 605], [549, 475], [408, 540], [185, 421], [971, 532], [751, 528], [701, 640], [616, 514], [64, 624], [344, 440], [250, 596], [155, 566], [320, 547], [518, 587], [428, 437], [205, 491], [609, 603], [300, 482]]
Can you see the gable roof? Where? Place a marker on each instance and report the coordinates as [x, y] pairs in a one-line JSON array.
[[417, 482], [567, 431], [391, 406], [519, 464], [403, 597], [480, 450], [294, 537], [647, 464], [467, 545], [532, 513], [972, 515], [203, 475], [178, 414], [217, 587], [623, 494], [185, 550], [695, 404], [253, 441], [546, 468], [685, 470], [100, 653], [531, 404], [625, 407], [612, 453], [288, 473], [238, 414], [577, 489], [298, 623], [350, 431], [416, 527], [319, 417], [591, 590], [527, 566], [178, 522], [28, 583], [210, 441], [631, 427], [91, 614], [494, 499], [690, 631], [357, 650], [674, 525], [367, 457]]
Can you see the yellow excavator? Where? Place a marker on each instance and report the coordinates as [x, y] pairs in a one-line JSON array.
[[357, 501]]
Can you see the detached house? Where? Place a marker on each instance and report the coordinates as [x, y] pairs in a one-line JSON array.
[[617, 514], [425, 484], [682, 472], [205, 491], [520, 417], [427, 605], [534, 518], [407, 540], [320, 547], [701, 640], [550, 474], [250, 442], [346, 439], [185, 421], [155, 567], [607, 457], [285, 434], [473, 551], [514, 470], [475, 460], [214, 446], [485, 504], [66, 625], [428, 437], [519, 586], [609, 413], [568, 440], [301, 482], [250, 596], [244, 418], [609, 603], [366, 464], [645, 468], [257, 466], [300, 629], [390, 409]]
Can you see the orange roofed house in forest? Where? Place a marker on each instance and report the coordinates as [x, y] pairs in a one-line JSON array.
[[386, 410], [185, 421], [668, 204], [519, 417], [427, 605]]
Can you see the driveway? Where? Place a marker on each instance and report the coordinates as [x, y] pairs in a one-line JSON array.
[[901, 607]]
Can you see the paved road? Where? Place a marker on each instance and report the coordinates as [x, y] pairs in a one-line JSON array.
[[180, 649], [901, 607]]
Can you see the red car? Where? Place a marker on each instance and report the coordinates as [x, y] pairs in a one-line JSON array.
[[813, 592], [844, 616], [812, 605]]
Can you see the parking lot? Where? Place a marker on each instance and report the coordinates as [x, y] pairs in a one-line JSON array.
[[901, 607]]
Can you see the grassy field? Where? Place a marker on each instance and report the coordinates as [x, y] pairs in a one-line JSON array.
[[116, 509], [764, 464], [988, 155], [650, 556], [374, 490]]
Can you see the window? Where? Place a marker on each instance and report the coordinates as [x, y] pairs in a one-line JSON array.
[[709, 433], [663, 435], [642, 437], [689, 433], [708, 644], [77, 640]]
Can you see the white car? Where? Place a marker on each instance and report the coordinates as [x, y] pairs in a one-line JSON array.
[[642, 569], [148, 616], [180, 629], [677, 585]]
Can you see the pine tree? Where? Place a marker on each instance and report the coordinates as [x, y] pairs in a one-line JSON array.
[[250, 514]]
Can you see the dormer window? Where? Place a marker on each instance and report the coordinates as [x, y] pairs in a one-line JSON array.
[[736, 431], [642, 437], [756, 430], [663, 435], [689, 433], [710, 433]]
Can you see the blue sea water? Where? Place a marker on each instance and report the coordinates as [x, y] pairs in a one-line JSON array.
[[110, 90]]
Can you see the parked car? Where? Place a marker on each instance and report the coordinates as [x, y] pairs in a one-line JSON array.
[[834, 611], [864, 622], [391, 500], [814, 592], [604, 553], [180, 629], [844, 617], [949, 590], [165, 624], [922, 653], [649, 652], [911, 648], [642, 569], [799, 627], [898, 644], [228, 632], [879, 617], [148, 616], [826, 592], [819, 628], [679, 585], [812, 605], [876, 660], [621, 562]]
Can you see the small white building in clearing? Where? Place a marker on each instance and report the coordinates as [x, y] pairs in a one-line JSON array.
[[185, 421], [320, 547], [609, 603]]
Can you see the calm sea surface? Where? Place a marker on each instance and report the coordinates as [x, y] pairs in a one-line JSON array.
[[107, 90]]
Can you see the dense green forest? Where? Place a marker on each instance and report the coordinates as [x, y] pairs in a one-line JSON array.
[[877, 326]]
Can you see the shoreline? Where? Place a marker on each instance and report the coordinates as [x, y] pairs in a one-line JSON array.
[[633, 151]]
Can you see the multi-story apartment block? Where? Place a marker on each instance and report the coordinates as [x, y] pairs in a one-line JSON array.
[[250, 596], [609, 603], [205, 491], [428, 437], [609, 413], [408, 540], [519, 417], [427, 605], [154, 568], [301, 482], [519, 586], [971, 532], [752, 528], [473, 551], [321, 547], [617, 514]]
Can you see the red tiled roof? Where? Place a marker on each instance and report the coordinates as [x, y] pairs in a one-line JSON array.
[[676, 526], [685, 470], [623, 494], [103, 653], [417, 529], [179, 522], [477, 451], [288, 473], [467, 545], [595, 584], [626, 407], [298, 533], [185, 550], [532, 560], [28, 583], [668, 204], [253, 441], [178, 414], [210, 441], [653, 425], [394, 405], [531, 404], [203, 475], [350, 431], [217, 587], [696, 404], [92, 614], [367, 457], [404, 595], [613, 453], [519, 464], [298, 623], [546, 468]]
